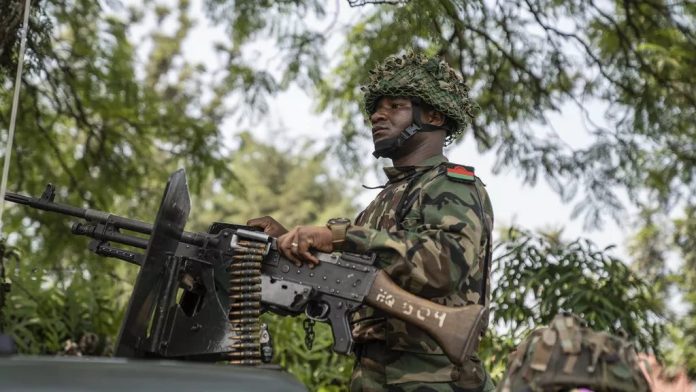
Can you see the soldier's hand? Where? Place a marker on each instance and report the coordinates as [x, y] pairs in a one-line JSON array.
[[269, 225], [296, 243]]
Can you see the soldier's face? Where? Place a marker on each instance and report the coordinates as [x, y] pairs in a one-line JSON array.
[[392, 115]]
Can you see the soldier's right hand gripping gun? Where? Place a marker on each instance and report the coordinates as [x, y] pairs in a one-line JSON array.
[[199, 295]]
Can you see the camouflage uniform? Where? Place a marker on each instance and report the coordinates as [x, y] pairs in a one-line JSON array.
[[431, 233]]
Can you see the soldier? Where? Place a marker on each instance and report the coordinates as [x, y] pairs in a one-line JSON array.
[[430, 226], [569, 356]]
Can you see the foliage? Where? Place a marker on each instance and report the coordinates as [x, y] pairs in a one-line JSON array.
[[7, 254], [88, 122], [108, 136], [664, 251], [319, 369], [537, 276], [525, 59], [43, 313], [290, 184], [684, 331], [107, 119], [102, 122]]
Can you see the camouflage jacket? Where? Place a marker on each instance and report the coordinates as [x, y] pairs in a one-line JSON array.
[[429, 233]]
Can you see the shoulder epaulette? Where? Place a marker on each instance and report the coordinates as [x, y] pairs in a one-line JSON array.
[[460, 173]]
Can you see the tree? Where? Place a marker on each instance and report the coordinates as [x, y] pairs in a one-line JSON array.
[[658, 242], [685, 328], [537, 276], [525, 59], [92, 116], [293, 184], [108, 135]]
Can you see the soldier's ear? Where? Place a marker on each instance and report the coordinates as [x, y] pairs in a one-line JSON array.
[[433, 117]]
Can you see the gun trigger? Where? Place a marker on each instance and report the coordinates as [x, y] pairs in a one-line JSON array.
[[49, 193], [317, 311]]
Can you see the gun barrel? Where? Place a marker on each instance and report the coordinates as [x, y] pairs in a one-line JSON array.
[[98, 216], [45, 205], [83, 213]]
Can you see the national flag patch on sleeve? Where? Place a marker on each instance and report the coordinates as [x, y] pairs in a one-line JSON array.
[[461, 173]]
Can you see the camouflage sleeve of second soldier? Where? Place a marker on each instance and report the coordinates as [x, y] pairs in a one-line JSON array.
[[440, 245]]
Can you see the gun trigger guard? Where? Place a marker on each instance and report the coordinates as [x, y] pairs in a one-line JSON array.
[[317, 311]]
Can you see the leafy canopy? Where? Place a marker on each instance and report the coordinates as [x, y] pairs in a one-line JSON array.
[[107, 125]]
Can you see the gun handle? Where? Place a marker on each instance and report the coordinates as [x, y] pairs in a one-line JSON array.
[[340, 327], [456, 329]]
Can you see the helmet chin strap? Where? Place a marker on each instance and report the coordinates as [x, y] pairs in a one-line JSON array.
[[387, 148]]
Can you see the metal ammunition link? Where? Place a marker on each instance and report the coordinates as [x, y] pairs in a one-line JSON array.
[[249, 336], [245, 354], [245, 289], [245, 345], [247, 297], [249, 257], [246, 328], [238, 273], [246, 312], [247, 280], [245, 267], [245, 303], [252, 244]]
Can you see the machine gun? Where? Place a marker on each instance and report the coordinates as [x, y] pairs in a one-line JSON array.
[[199, 295]]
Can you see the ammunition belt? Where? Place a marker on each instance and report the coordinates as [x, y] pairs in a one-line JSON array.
[[245, 303]]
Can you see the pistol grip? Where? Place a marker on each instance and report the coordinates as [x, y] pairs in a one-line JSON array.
[[340, 327]]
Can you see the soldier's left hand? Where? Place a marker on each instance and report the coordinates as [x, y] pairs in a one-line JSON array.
[[296, 244]]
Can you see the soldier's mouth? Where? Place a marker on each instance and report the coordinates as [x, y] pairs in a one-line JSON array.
[[377, 130]]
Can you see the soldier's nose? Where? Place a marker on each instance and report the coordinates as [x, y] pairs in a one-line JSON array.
[[377, 116]]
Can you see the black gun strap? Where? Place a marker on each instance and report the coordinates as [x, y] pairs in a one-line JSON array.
[[487, 259], [402, 208]]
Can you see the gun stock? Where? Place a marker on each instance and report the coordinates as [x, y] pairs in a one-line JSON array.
[[457, 330]]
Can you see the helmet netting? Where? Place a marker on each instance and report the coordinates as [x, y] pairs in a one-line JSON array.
[[430, 79]]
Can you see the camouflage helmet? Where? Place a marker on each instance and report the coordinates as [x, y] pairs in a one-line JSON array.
[[430, 79], [569, 356]]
